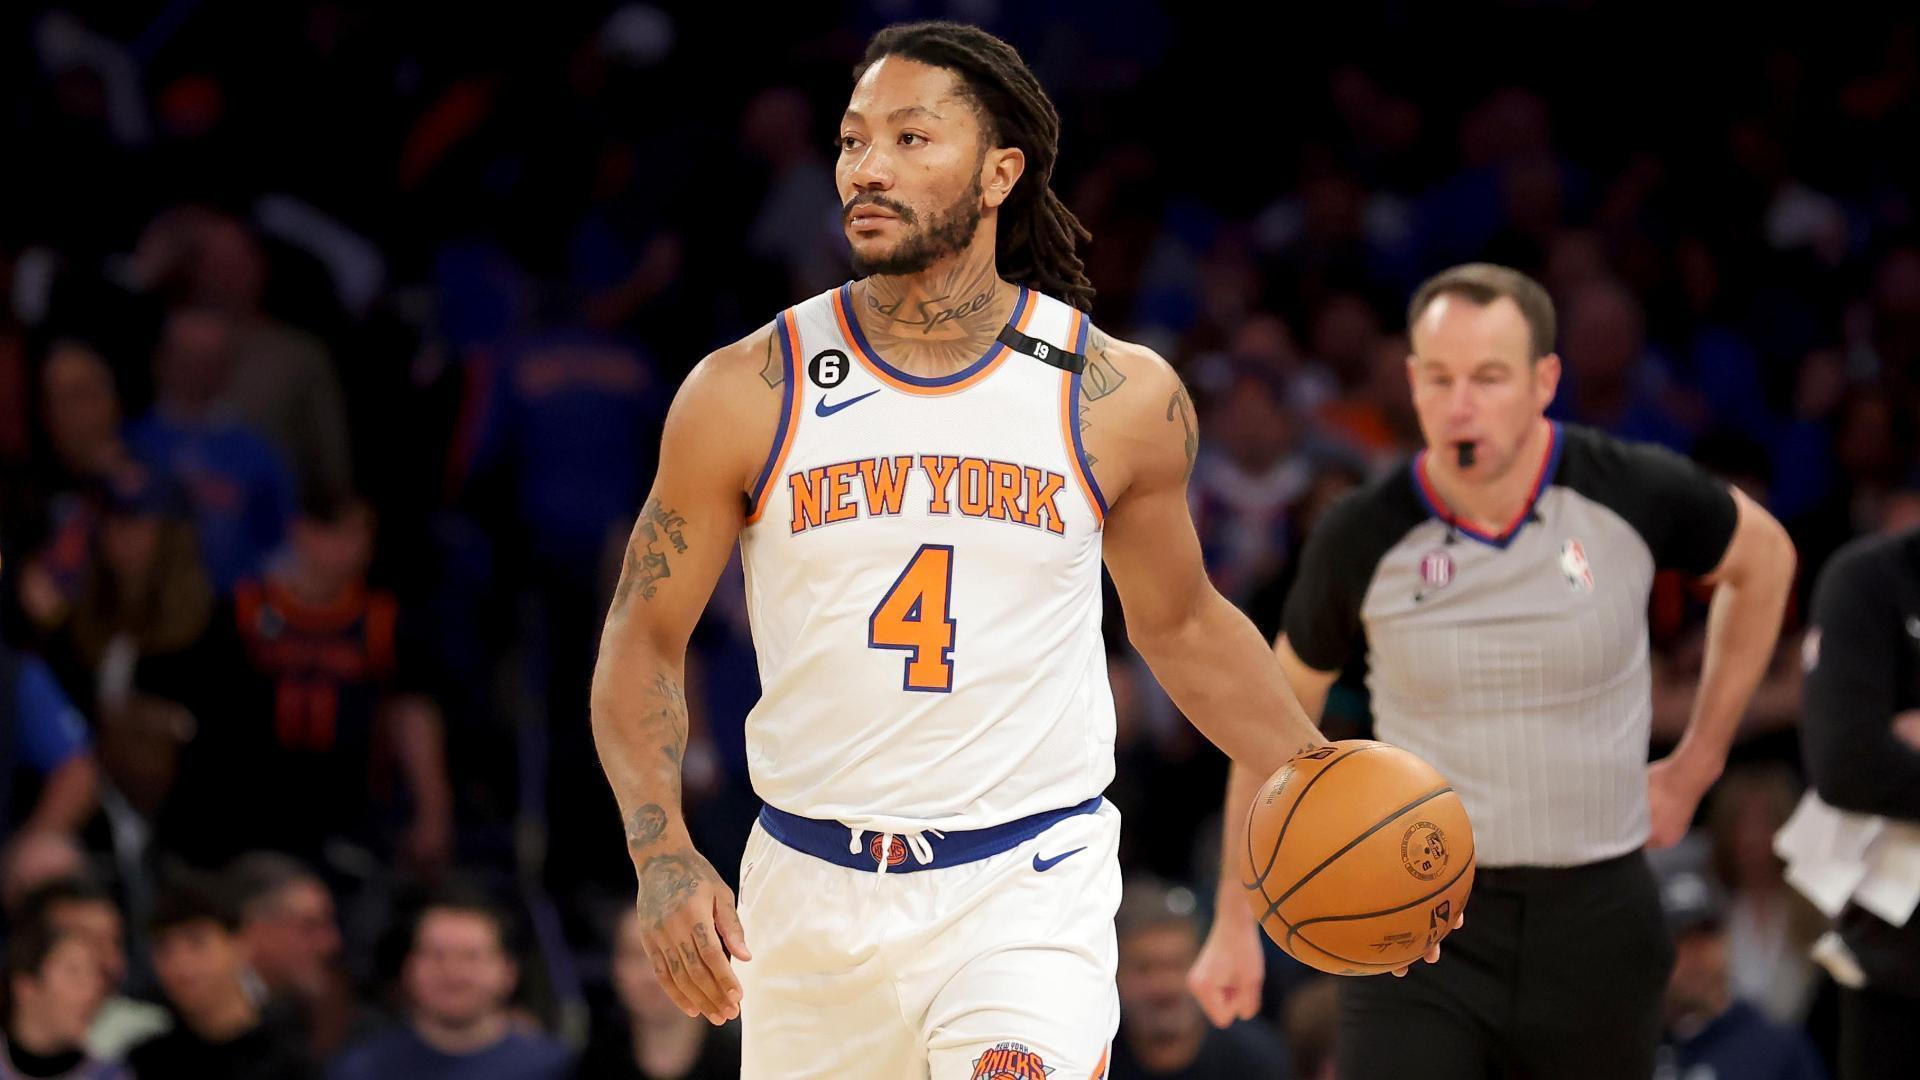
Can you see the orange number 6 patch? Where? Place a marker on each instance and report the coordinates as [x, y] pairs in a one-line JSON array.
[[913, 617]]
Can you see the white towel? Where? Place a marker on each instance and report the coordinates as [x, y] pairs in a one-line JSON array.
[[1834, 856]]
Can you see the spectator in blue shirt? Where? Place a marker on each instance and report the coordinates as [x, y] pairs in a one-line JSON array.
[[1711, 1036], [241, 492], [458, 979], [1163, 1034], [44, 735], [1612, 380]]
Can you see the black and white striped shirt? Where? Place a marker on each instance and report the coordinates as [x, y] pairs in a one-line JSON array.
[[1517, 663]]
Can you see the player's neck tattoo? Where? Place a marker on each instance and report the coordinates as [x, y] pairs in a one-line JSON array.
[[939, 321]]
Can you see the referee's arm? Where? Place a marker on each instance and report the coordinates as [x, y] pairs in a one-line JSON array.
[[1854, 676], [1750, 584]]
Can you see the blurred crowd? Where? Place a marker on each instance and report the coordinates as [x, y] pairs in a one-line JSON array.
[[335, 338]]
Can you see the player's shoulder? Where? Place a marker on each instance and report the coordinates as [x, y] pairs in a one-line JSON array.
[[739, 381], [757, 357], [1138, 418], [1114, 365], [729, 407], [1128, 387]]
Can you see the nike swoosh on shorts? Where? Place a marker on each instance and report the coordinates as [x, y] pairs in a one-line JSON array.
[[1044, 865]]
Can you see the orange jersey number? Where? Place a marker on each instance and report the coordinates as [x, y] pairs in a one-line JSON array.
[[913, 617]]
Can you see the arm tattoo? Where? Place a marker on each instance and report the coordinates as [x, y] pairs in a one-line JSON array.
[[665, 882], [646, 825], [1102, 377], [670, 690], [1085, 423], [647, 563], [1182, 406], [775, 373], [672, 720]]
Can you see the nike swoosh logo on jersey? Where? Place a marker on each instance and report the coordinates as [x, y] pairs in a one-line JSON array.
[[821, 408], [1044, 865]]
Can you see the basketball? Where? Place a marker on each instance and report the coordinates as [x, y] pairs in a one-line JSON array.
[[1359, 857]]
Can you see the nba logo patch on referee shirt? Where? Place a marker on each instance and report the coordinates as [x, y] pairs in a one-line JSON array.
[[1436, 569], [1573, 563]]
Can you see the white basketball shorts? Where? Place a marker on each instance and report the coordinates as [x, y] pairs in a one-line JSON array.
[[986, 955]]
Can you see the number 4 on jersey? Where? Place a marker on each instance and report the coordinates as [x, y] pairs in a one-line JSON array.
[[913, 617]]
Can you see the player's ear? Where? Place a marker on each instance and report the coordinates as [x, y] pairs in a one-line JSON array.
[[1000, 170]]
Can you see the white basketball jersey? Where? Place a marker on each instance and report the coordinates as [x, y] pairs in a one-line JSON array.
[[923, 577]]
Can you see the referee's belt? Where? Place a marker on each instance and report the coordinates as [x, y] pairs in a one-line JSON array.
[[908, 851]]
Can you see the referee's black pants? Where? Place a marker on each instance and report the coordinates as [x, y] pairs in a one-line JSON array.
[[1558, 974]]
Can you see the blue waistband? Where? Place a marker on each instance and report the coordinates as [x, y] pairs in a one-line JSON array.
[[829, 839]]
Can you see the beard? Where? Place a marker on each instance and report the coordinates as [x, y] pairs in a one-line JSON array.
[[947, 232]]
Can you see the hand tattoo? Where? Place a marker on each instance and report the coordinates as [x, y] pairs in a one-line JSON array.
[[665, 883]]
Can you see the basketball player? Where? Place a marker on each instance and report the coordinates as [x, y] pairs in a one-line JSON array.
[[1499, 585], [924, 469]]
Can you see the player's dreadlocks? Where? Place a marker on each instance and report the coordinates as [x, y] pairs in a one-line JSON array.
[[1037, 234]]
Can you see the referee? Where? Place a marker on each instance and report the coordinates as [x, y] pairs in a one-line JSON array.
[[1861, 738], [1498, 583]]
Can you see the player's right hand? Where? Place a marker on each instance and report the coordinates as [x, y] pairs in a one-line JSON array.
[[1227, 976], [686, 915]]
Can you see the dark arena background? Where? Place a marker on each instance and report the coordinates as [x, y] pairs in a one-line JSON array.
[[336, 340]]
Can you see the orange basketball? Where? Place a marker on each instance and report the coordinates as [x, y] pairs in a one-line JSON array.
[[1359, 857]]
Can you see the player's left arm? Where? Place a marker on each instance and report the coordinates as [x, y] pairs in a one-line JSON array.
[[1751, 583], [1205, 652]]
